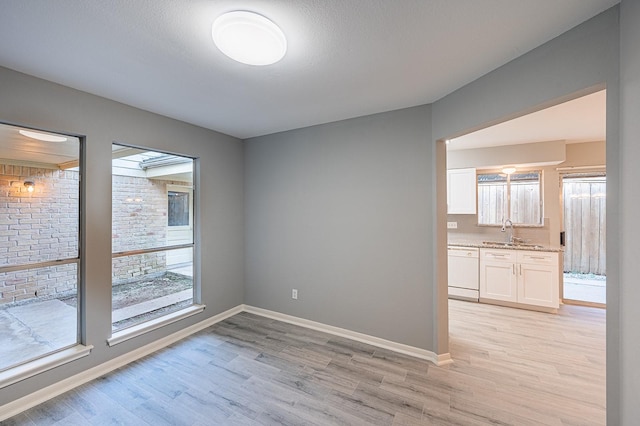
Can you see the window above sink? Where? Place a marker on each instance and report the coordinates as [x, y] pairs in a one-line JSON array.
[[517, 196]]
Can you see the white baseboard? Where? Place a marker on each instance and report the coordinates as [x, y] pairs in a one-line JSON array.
[[439, 360], [44, 394], [16, 407]]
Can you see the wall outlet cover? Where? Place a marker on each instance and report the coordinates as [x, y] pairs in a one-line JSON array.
[[452, 225]]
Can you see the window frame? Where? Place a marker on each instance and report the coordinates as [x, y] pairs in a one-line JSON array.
[[41, 363], [196, 307], [508, 198]]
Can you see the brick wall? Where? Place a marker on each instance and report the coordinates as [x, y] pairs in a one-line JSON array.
[[43, 225], [37, 227], [139, 222]]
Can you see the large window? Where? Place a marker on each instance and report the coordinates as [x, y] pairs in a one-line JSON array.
[[153, 235], [516, 197], [39, 244]]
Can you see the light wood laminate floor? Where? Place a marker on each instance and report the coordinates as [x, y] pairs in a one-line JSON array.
[[512, 367]]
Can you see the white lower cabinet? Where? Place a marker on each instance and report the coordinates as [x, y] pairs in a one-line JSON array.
[[498, 279], [521, 277], [539, 279]]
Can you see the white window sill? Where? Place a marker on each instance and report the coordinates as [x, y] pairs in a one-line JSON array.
[[40, 365], [145, 327]]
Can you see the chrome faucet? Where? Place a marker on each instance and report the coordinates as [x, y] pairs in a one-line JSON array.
[[504, 228]]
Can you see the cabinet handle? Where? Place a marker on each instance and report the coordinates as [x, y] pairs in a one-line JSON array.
[[514, 268], [520, 269], [537, 257]]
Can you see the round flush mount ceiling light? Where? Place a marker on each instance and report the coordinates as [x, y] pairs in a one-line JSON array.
[[42, 136], [508, 170], [249, 38]]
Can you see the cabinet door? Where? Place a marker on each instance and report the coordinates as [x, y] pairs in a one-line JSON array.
[[538, 285], [498, 280], [461, 191]]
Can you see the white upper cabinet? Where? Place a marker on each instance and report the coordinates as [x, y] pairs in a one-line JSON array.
[[461, 191]]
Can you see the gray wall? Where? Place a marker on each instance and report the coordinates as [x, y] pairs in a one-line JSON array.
[[578, 62], [341, 212], [628, 154], [30, 101]]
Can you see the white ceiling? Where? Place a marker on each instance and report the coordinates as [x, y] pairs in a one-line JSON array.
[[346, 58], [580, 120], [19, 149]]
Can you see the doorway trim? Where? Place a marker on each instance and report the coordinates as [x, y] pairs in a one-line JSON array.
[[440, 190]]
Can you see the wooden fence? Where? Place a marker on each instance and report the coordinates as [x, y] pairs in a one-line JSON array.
[[525, 203], [584, 202]]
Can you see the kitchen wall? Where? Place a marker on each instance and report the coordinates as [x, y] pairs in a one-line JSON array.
[[34, 102], [566, 155], [341, 212]]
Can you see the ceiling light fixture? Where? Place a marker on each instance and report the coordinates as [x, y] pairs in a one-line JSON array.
[[46, 137], [249, 38], [508, 170]]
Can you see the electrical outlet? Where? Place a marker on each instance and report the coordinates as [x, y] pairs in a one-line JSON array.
[[294, 293], [452, 225]]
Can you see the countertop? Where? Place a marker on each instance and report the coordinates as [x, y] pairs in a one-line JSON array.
[[505, 246]]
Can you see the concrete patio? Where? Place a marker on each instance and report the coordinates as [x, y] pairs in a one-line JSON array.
[[41, 327], [35, 329], [585, 288]]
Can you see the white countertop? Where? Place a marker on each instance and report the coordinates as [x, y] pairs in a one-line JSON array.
[[505, 246]]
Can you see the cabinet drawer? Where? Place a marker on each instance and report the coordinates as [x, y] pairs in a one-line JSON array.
[[538, 258], [498, 254], [463, 252]]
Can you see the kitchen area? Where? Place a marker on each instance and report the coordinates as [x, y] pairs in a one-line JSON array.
[[505, 208], [497, 264]]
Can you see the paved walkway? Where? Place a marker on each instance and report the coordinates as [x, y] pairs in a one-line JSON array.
[[150, 305]]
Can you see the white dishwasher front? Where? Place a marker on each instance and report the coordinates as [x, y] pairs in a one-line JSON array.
[[464, 273]]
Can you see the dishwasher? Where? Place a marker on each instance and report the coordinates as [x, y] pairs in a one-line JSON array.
[[464, 273]]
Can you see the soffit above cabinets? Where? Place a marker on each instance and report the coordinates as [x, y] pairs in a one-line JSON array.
[[523, 156], [576, 121]]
